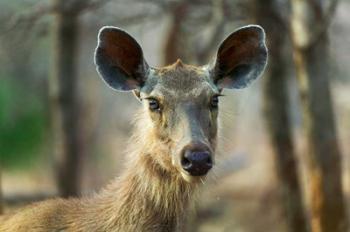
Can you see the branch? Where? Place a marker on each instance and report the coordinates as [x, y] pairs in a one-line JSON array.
[[36, 12], [29, 18], [164, 5], [129, 21], [329, 14], [80, 6], [312, 29], [218, 25], [326, 16]]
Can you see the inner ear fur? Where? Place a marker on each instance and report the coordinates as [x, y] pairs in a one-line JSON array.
[[241, 58], [119, 59]]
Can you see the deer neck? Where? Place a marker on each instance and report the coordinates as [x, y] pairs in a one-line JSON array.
[[145, 198]]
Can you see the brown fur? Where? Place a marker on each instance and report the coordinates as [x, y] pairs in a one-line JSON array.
[[151, 195], [154, 192]]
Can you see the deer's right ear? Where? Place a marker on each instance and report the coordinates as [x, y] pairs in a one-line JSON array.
[[119, 59]]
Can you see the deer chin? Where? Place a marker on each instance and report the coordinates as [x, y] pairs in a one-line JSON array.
[[192, 179]]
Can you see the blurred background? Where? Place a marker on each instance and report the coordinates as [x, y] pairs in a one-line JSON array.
[[284, 151]]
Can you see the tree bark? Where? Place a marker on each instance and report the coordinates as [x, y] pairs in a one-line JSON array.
[[276, 114], [311, 55], [64, 100], [176, 40]]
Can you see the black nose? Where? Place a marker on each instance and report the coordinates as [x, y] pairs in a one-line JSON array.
[[197, 163]]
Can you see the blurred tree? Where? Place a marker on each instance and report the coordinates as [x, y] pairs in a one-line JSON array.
[[269, 15], [186, 39], [23, 118], [309, 28], [176, 37], [65, 104], [64, 98]]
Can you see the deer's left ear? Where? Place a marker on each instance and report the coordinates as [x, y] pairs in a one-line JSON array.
[[241, 58]]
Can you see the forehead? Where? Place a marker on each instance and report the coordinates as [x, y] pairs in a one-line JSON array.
[[180, 80]]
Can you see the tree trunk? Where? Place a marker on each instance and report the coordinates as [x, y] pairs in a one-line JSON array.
[[276, 114], [64, 101], [176, 43], [311, 55]]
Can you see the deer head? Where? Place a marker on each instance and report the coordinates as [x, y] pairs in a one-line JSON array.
[[181, 101]]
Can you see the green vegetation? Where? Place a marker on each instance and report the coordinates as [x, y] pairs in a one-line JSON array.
[[23, 125]]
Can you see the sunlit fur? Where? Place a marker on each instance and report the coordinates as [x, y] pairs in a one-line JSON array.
[[184, 93], [153, 193]]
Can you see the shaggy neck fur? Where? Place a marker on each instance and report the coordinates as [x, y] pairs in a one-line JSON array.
[[146, 197], [150, 196]]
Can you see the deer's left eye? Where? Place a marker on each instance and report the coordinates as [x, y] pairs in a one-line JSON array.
[[153, 104], [214, 102]]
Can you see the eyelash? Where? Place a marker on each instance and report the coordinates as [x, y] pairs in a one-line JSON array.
[[154, 105], [214, 102]]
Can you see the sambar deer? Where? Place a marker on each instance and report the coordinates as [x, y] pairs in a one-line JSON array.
[[174, 143]]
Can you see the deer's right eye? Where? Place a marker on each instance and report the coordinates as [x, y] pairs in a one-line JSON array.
[[153, 104]]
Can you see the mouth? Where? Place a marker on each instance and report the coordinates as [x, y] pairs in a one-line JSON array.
[[196, 170], [193, 178]]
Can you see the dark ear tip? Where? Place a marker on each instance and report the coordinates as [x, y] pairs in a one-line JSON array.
[[105, 30], [255, 28], [112, 33]]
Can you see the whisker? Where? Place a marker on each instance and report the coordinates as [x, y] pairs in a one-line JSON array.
[[202, 180]]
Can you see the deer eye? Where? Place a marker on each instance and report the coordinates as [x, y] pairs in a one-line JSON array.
[[214, 102], [153, 104]]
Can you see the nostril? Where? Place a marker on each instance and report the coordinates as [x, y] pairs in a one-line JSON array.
[[209, 161], [186, 163], [197, 163]]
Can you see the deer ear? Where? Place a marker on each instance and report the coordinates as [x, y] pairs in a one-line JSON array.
[[119, 59], [241, 58]]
